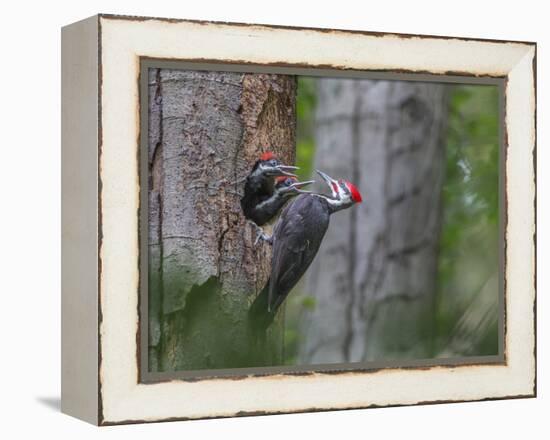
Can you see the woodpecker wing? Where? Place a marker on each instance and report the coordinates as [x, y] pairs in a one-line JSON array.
[[297, 237]]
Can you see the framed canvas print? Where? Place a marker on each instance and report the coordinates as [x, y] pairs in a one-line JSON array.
[[262, 219]]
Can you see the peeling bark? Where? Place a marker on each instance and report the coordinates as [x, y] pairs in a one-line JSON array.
[[374, 277], [206, 130]]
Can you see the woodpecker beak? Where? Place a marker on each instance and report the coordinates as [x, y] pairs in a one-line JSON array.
[[297, 186], [332, 184], [283, 170]]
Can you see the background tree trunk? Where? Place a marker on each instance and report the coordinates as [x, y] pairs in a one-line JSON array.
[[206, 129], [374, 277]]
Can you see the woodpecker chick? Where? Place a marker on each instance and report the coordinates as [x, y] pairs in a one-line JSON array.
[[260, 187], [285, 189]]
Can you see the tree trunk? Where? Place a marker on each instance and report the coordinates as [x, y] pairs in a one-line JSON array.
[[206, 130], [374, 279]]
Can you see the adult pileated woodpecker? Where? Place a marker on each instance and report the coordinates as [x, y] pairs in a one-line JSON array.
[[296, 240], [262, 198]]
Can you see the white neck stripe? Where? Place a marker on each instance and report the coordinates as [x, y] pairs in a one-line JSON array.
[[335, 203]]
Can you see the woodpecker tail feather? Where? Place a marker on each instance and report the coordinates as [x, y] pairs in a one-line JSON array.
[[259, 315]]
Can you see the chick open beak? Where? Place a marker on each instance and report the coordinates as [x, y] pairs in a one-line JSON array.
[[283, 170], [298, 185]]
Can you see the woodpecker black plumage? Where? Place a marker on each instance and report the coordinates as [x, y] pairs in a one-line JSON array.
[[296, 238], [263, 197]]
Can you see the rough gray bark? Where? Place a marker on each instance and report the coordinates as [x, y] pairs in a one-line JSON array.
[[374, 277], [206, 129]]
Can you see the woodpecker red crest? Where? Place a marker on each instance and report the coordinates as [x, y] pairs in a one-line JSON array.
[[355, 194], [268, 155]]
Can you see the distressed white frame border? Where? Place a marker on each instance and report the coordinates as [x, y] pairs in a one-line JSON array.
[[122, 42]]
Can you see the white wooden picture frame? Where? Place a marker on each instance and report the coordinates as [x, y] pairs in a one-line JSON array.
[[101, 200]]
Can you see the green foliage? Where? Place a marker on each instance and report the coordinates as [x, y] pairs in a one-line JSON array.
[[308, 302], [297, 303], [292, 340], [305, 111], [307, 98], [468, 254]]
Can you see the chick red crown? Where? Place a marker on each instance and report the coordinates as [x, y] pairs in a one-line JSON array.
[[268, 155], [280, 179]]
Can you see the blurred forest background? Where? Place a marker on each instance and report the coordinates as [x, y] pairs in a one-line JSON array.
[[412, 272]]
